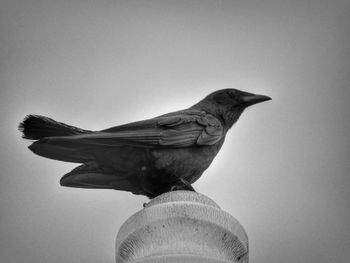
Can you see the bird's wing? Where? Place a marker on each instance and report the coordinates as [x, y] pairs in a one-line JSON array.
[[182, 129]]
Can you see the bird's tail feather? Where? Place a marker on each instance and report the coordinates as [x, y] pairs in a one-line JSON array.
[[35, 127], [90, 175], [65, 154]]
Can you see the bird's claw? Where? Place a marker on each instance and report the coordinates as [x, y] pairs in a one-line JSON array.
[[174, 188], [182, 185]]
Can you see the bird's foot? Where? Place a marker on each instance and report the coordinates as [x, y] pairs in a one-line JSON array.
[[182, 184]]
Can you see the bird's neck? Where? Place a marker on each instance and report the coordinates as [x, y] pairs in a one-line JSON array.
[[227, 118], [231, 117], [208, 108]]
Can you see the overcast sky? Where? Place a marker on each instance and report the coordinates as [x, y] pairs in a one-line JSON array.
[[283, 170]]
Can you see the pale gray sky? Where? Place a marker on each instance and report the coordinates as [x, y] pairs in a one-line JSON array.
[[283, 170]]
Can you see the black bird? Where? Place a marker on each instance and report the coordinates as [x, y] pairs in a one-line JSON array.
[[148, 157]]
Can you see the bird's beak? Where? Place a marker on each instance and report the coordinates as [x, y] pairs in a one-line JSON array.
[[251, 99]]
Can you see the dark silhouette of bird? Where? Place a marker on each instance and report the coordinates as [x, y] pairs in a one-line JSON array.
[[148, 157]]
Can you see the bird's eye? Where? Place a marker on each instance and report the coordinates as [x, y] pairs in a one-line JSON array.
[[232, 94]]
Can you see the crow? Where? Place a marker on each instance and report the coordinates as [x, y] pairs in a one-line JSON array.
[[148, 157]]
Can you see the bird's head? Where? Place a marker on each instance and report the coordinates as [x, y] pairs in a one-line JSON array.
[[228, 104]]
